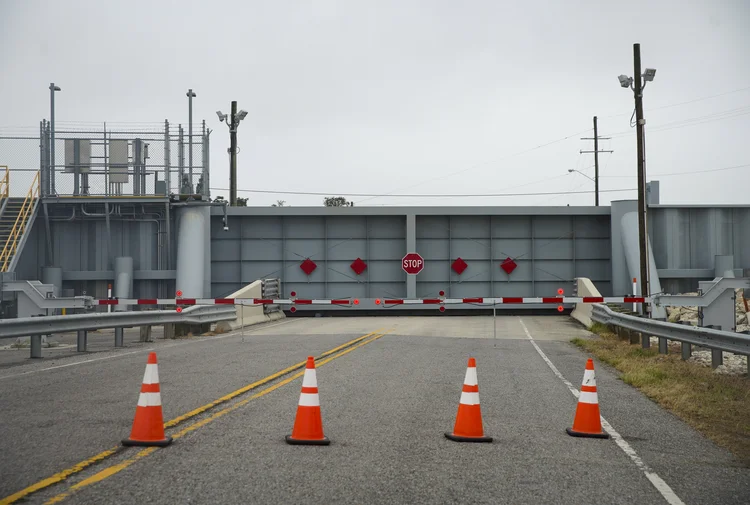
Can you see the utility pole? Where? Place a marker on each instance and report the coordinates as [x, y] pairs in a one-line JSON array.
[[233, 156], [640, 122], [233, 122], [596, 152]]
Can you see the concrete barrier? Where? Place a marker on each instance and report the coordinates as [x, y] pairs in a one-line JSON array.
[[249, 315], [582, 312]]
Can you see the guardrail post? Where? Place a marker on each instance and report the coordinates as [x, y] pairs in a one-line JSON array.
[[36, 346], [82, 340], [687, 351], [119, 332], [717, 358], [663, 349]]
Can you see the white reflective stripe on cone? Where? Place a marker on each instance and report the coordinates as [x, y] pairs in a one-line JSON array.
[[151, 376], [309, 380], [149, 400], [471, 376], [588, 397], [309, 400], [588, 378], [469, 398]]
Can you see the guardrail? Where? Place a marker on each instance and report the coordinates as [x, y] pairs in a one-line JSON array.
[[45, 325], [716, 340], [35, 327]]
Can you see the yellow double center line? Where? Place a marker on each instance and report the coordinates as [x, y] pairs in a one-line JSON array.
[[334, 353]]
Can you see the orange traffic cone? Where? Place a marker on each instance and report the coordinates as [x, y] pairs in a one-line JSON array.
[[468, 427], [308, 424], [587, 422], [148, 425]]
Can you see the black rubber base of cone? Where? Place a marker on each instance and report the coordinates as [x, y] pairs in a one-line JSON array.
[[586, 435], [147, 443], [296, 441], [457, 438]]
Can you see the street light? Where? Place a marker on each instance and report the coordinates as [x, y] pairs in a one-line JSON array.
[[52, 89], [233, 121], [637, 86], [571, 170]]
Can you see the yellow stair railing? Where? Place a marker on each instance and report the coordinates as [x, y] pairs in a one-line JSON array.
[[4, 187], [19, 227]]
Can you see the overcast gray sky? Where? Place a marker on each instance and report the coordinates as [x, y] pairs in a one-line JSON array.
[[430, 97]]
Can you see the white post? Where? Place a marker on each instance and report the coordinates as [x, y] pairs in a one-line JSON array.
[[109, 296], [635, 293]]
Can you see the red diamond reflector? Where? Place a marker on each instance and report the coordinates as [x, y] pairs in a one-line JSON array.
[[459, 266], [308, 266], [358, 266], [508, 265]]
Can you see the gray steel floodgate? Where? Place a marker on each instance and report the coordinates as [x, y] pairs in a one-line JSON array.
[[385, 408]]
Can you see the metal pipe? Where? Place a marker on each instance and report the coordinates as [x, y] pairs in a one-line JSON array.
[[52, 89]]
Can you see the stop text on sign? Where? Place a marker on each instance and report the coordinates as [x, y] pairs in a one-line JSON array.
[[412, 263]]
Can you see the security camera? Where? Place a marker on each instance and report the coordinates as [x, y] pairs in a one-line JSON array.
[[221, 115], [226, 228], [624, 81]]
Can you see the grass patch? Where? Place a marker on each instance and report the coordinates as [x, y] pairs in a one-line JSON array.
[[716, 405]]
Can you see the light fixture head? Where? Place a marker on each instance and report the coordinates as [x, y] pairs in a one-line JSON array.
[[221, 115], [190, 93], [625, 80], [649, 74], [570, 170], [241, 114]]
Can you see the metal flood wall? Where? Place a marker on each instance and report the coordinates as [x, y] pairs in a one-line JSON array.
[[549, 251], [686, 241]]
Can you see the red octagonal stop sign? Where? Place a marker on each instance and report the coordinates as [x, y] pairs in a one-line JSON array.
[[412, 263]]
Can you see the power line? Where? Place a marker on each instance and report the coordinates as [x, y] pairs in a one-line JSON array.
[[685, 103], [477, 165], [474, 195], [685, 173], [716, 116]]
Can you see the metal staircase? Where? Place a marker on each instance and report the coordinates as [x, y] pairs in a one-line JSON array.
[[15, 221]]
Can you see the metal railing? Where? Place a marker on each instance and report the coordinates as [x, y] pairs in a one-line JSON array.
[[19, 226], [49, 325], [719, 340]]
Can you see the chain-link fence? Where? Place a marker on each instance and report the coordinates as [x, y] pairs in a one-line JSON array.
[[110, 161]]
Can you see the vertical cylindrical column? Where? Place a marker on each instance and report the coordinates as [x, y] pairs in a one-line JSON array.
[[123, 280], [192, 233], [53, 275], [82, 340], [207, 252]]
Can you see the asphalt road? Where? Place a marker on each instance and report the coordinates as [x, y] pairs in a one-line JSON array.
[[386, 403]]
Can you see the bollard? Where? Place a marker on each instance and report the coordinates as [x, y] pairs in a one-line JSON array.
[[645, 341], [663, 349], [36, 346], [687, 351], [82, 340], [119, 337]]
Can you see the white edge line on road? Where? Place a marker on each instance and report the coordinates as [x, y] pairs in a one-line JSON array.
[[235, 333], [652, 476]]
